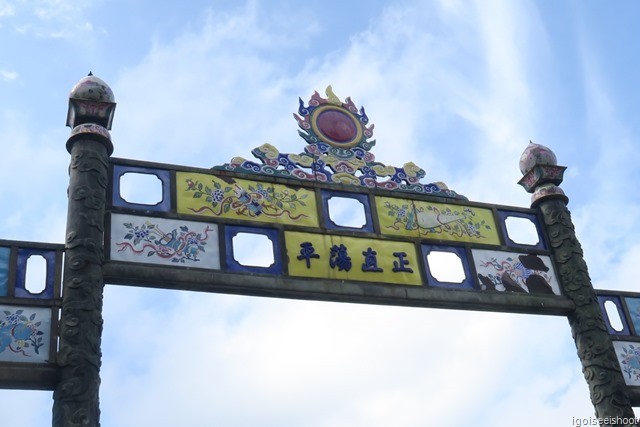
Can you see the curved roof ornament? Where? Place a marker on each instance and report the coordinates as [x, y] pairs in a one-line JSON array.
[[338, 151]]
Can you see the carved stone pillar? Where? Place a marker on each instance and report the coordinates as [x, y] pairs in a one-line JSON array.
[[595, 349], [76, 400]]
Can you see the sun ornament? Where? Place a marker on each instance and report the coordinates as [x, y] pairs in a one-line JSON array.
[[338, 151], [338, 124]]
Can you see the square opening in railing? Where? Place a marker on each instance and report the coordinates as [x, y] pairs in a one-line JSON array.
[[613, 313], [613, 316], [348, 211], [141, 188], [446, 267], [36, 274], [253, 250], [35, 270], [521, 229]]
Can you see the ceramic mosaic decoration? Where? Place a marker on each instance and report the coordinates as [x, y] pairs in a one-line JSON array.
[[338, 151], [515, 272], [436, 220], [164, 241], [208, 195], [24, 334], [628, 354]]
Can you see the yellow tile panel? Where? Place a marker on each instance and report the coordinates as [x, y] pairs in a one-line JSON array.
[[443, 221], [352, 258], [255, 201]]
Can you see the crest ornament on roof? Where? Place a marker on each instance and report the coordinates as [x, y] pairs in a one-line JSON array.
[[336, 123], [338, 137]]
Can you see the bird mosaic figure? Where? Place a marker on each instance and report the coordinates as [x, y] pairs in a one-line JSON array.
[[527, 275]]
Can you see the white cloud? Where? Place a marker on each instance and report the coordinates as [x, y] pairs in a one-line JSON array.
[[43, 158], [49, 18], [6, 9], [437, 99], [610, 174], [218, 92], [318, 364], [9, 76], [411, 81]]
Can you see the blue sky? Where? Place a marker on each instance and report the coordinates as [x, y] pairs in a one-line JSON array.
[[457, 87]]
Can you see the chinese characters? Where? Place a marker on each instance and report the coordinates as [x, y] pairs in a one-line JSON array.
[[339, 259]]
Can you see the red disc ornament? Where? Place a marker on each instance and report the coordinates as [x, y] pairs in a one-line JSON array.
[[336, 126]]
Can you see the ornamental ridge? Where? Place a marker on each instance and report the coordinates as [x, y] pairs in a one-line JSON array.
[[338, 138]]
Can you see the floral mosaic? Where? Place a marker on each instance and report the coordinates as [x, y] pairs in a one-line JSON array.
[[24, 334], [628, 354], [210, 195], [436, 220], [164, 241], [515, 272]]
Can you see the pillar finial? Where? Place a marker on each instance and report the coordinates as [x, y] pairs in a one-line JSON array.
[[91, 109], [542, 175]]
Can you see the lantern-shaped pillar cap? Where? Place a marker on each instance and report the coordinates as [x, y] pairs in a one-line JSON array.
[[90, 114], [91, 101], [542, 175], [535, 155]]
